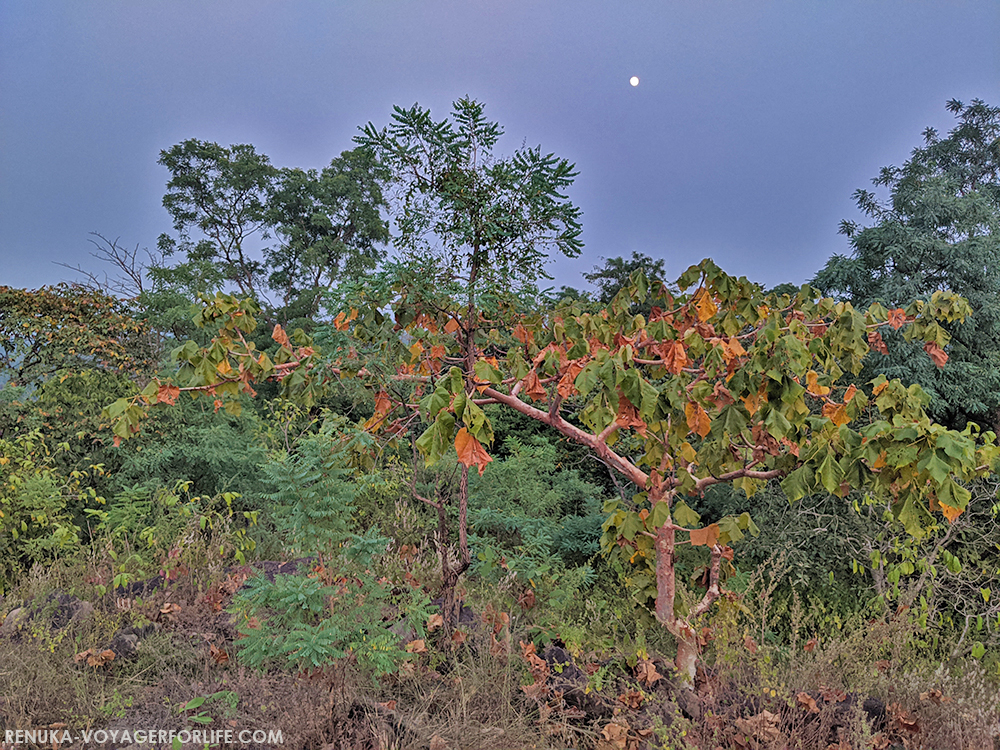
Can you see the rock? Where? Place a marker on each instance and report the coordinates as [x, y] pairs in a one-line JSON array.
[[125, 645], [62, 609], [14, 620]]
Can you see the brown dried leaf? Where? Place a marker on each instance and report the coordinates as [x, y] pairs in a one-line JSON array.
[[220, 656], [936, 353], [806, 701], [645, 672], [706, 537], [698, 420], [762, 727], [434, 622], [877, 343], [470, 451], [632, 699], [416, 647], [279, 335]]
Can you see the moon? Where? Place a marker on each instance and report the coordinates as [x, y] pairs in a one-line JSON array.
[[634, 80]]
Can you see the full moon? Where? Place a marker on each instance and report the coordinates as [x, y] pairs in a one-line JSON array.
[[634, 80]]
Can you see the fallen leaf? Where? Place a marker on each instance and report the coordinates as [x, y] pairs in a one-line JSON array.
[[632, 699], [220, 656], [416, 647], [935, 696], [434, 622], [807, 702], [645, 672], [762, 727], [832, 695], [750, 644]]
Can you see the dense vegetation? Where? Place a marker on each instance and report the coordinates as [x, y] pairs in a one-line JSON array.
[[401, 494]]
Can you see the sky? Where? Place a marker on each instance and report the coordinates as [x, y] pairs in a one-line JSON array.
[[752, 124]]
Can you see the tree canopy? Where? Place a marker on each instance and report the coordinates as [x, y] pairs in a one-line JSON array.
[[938, 229]]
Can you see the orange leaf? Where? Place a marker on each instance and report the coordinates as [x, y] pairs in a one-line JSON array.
[[810, 645], [533, 387], [752, 403], [836, 413], [705, 305], [880, 387], [167, 394], [750, 644], [936, 353], [522, 334], [948, 512], [706, 537], [735, 348], [849, 394], [813, 386], [674, 357], [697, 418], [279, 335], [567, 383], [471, 451], [897, 318], [451, 326]]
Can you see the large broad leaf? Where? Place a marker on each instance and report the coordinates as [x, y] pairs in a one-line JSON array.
[[436, 440], [470, 451], [682, 513]]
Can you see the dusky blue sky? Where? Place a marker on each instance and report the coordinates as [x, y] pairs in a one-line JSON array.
[[751, 127]]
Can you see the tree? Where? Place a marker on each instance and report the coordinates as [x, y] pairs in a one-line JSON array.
[[473, 231], [222, 192], [939, 229], [721, 384], [616, 272], [65, 327], [227, 202], [330, 227]]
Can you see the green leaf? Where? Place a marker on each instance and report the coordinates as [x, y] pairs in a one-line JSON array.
[[937, 468], [682, 513], [487, 372], [729, 530], [798, 484]]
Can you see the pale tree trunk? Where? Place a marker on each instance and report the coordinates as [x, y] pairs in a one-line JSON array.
[[682, 628]]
